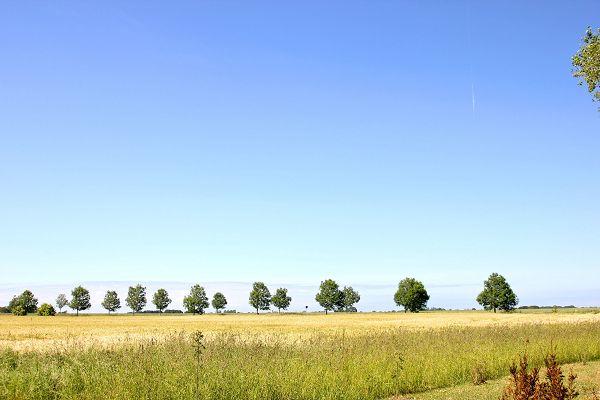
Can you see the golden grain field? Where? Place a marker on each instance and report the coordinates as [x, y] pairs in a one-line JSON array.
[[271, 356], [36, 333]]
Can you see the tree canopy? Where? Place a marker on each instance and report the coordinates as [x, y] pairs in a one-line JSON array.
[[587, 63], [348, 298], [331, 298], [219, 301], [497, 294], [281, 300], [136, 298], [61, 302], [23, 304], [161, 299], [329, 295], [80, 299], [197, 301], [111, 301], [260, 297], [411, 295]]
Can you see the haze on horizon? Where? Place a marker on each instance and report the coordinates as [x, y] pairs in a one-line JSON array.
[[288, 143]]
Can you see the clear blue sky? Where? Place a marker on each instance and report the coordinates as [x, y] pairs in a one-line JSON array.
[[290, 142]]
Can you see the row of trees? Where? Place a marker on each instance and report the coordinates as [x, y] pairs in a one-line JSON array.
[[411, 295], [196, 302], [261, 299], [331, 298]]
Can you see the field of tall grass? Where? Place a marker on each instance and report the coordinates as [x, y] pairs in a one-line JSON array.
[[359, 356]]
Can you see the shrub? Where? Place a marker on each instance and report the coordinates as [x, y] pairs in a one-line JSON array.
[[4, 310], [18, 310], [46, 310], [527, 385]]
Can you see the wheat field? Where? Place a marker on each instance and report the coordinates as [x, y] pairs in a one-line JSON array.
[[271, 356], [38, 333]]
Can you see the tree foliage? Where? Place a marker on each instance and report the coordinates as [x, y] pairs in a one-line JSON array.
[[219, 301], [587, 63], [23, 304], [111, 301], [280, 299], [136, 298], [497, 294], [331, 298], [348, 298], [61, 302], [411, 295], [197, 301], [260, 297], [161, 299], [329, 295], [46, 310], [80, 299]]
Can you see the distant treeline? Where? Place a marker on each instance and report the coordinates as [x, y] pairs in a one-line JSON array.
[[411, 295], [543, 307], [179, 312]]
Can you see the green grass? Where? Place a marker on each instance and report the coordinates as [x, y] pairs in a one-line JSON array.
[[376, 364], [587, 383]]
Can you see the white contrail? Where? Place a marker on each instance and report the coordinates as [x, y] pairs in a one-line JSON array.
[[473, 97]]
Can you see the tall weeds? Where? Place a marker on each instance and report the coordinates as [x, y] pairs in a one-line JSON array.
[[526, 384]]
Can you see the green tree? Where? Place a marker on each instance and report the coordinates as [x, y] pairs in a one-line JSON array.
[[329, 296], [80, 299], [111, 301], [196, 301], [136, 298], [411, 295], [260, 297], [587, 63], [219, 301], [161, 300], [61, 302], [46, 310], [497, 294], [24, 303], [348, 298], [281, 300]]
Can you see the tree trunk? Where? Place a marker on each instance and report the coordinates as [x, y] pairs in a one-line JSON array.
[[325, 311], [256, 310]]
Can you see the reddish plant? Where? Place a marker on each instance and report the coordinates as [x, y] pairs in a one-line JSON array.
[[527, 385]]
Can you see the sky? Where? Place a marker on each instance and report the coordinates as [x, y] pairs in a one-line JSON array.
[[289, 142]]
